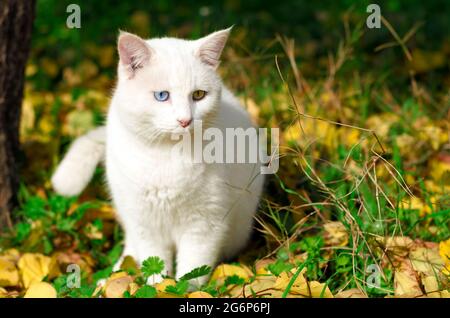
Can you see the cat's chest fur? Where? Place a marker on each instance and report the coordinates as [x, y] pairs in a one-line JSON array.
[[151, 172]]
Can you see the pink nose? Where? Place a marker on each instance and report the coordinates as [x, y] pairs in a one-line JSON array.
[[184, 122]]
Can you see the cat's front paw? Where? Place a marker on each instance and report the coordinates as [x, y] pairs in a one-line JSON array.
[[196, 283], [154, 279]]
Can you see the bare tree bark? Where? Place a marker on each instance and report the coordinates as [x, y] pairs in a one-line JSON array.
[[16, 22]]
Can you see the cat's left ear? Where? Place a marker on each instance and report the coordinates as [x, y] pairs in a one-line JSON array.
[[210, 47], [134, 52]]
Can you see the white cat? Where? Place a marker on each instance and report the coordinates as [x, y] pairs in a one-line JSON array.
[[192, 213]]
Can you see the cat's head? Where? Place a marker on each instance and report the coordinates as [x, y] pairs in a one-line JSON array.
[[164, 84]]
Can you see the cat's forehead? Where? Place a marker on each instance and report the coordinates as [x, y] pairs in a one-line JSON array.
[[172, 48], [175, 64]]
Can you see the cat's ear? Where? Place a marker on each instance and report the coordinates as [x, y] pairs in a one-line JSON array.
[[210, 47], [134, 52]]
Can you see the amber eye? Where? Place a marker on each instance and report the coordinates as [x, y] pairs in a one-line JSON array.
[[198, 95]]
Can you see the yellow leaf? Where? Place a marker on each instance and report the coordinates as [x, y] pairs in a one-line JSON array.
[[349, 137], [225, 270], [431, 286], [399, 246], [316, 290], [3, 293], [9, 275], [79, 121], [34, 267], [284, 279], [41, 290], [414, 203], [444, 252], [426, 260], [405, 281], [351, 293], [261, 266], [335, 234], [116, 285], [262, 284], [381, 123], [11, 254], [440, 169], [301, 287], [133, 288], [199, 294], [161, 288]]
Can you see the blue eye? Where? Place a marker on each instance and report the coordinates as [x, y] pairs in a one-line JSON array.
[[161, 96]]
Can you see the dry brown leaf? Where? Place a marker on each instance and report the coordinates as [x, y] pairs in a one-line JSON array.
[[398, 245], [431, 285], [351, 293], [117, 284], [315, 290], [261, 285], [335, 234], [426, 261], [405, 281], [284, 279]]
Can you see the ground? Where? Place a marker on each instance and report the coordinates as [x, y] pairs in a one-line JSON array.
[[360, 205]]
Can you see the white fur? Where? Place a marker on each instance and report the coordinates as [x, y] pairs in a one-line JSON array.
[[194, 213], [76, 170]]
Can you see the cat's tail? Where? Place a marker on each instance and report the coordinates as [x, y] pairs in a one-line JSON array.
[[78, 166]]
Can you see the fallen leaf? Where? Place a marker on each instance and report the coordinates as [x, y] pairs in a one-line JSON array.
[[315, 290], [41, 290], [335, 234], [34, 267], [133, 288], [225, 270], [405, 281], [117, 284], [9, 275], [261, 266], [431, 286], [351, 293], [261, 285], [444, 251], [284, 280], [426, 261], [161, 288], [199, 294]]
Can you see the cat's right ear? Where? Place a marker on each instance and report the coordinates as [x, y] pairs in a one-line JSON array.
[[134, 52]]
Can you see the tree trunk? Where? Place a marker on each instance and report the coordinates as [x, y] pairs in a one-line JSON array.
[[16, 22]]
